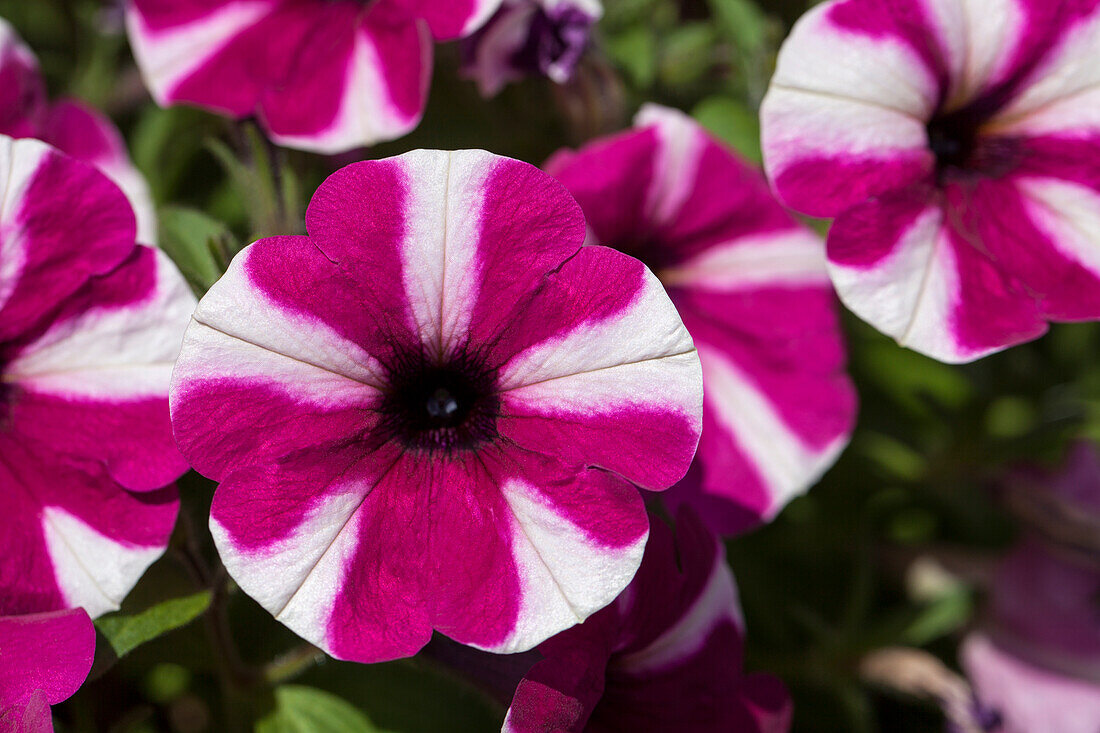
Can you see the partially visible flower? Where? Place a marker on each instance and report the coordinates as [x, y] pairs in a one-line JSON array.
[[665, 656], [322, 75], [69, 125], [958, 145], [435, 410], [90, 323], [1037, 661], [528, 38], [44, 659], [750, 284]]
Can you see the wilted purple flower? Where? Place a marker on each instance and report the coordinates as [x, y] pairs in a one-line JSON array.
[[529, 38]]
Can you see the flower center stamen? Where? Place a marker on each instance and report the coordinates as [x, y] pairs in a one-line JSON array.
[[964, 151], [440, 406]]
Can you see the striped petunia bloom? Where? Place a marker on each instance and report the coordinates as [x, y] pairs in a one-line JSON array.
[[321, 75], [435, 410], [666, 656], [90, 323], [68, 125], [957, 142], [44, 659], [751, 286]]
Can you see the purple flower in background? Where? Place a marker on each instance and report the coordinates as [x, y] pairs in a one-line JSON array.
[[434, 411], [322, 75], [958, 145], [1037, 662], [665, 656], [750, 284], [529, 38], [90, 323], [68, 125], [44, 659]]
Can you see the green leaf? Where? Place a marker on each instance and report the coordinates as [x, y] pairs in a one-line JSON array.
[[733, 123], [742, 22], [940, 618], [686, 54], [300, 709], [199, 245], [635, 51], [125, 632]]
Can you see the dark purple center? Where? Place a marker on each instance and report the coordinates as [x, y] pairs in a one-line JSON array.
[[964, 151], [441, 406]]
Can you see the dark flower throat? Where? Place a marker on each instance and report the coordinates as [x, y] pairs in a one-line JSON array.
[[441, 407]]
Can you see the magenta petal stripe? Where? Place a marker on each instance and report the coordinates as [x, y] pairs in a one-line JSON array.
[[48, 654], [94, 237], [365, 396]]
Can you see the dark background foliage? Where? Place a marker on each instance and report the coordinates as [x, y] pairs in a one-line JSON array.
[[831, 580]]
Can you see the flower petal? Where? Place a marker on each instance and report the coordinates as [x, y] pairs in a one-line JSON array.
[[44, 256], [94, 383], [898, 263], [88, 135], [77, 538], [450, 19], [49, 653], [619, 390]]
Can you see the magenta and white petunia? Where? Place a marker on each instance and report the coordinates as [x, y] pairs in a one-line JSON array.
[[957, 144], [44, 659], [666, 656], [751, 286], [71, 126], [434, 411], [90, 324], [528, 38], [322, 75]]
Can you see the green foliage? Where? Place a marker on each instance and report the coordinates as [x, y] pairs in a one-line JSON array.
[[300, 709], [125, 632], [199, 245]]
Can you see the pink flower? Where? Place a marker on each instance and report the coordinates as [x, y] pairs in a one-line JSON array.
[[44, 659], [433, 412], [529, 37], [1037, 662], [68, 125], [322, 75], [958, 146], [666, 656], [750, 284], [90, 324]]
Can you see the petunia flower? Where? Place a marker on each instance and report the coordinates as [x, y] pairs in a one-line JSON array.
[[665, 656], [750, 284], [434, 411], [1035, 663], [69, 125], [957, 145], [528, 38], [321, 75], [90, 323], [44, 659]]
